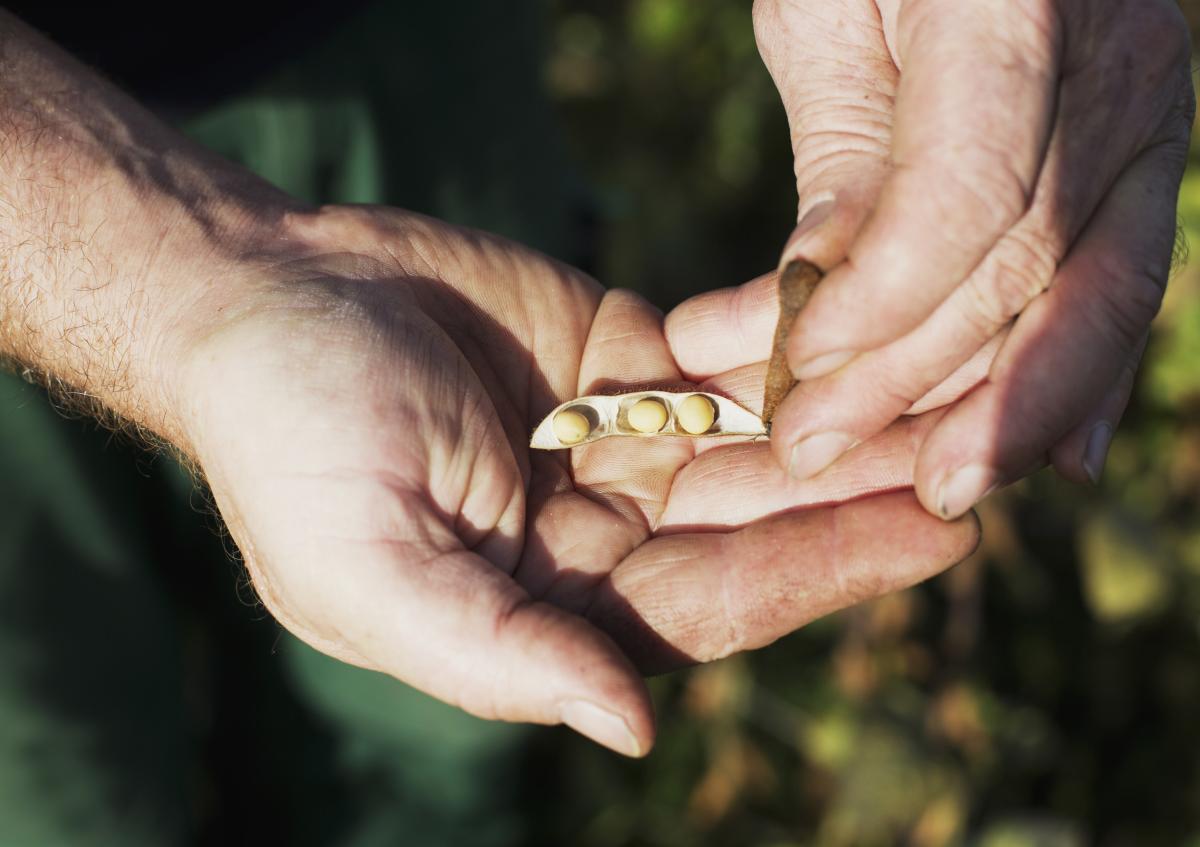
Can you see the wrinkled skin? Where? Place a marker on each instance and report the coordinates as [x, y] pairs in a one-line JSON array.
[[362, 413], [993, 184]]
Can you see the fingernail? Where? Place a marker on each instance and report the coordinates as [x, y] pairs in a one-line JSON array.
[[813, 454], [1097, 450], [964, 488], [822, 365], [600, 725], [816, 215]]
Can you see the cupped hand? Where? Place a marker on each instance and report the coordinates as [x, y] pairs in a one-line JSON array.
[[362, 411], [961, 165]]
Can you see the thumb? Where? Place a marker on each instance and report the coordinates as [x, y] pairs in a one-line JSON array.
[[500, 655], [838, 81], [456, 627]]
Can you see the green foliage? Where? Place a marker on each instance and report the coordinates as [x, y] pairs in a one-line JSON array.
[[680, 128]]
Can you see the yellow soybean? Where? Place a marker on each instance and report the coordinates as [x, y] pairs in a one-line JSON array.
[[571, 427], [648, 415], [695, 415]]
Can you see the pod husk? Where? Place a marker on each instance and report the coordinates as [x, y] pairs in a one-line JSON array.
[[608, 415], [796, 285]]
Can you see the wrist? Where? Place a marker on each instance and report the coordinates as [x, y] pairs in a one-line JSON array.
[[210, 271], [119, 238]]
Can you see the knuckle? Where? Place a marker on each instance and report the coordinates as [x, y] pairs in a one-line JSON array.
[[1127, 299], [983, 307], [1172, 137], [1020, 268], [513, 624], [840, 137], [742, 324], [1185, 106], [893, 389], [861, 140], [730, 615], [1034, 257], [852, 585], [857, 586], [627, 303], [1176, 129]]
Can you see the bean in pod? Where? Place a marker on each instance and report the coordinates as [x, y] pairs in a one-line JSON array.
[[643, 414]]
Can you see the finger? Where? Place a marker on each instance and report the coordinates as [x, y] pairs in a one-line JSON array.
[[717, 333], [735, 485], [973, 118], [742, 385], [963, 332], [572, 543], [1080, 456], [1076, 175], [697, 597], [1068, 348], [821, 419], [626, 348], [969, 374], [448, 622], [882, 464], [726, 329], [838, 82]]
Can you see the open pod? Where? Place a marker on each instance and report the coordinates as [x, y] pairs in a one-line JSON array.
[[644, 414], [692, 414]]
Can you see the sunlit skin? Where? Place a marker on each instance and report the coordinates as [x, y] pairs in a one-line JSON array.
[[358, 387], [367, 445], [993, 185]]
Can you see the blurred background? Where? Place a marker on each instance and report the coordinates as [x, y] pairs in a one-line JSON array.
[[1044, 693]]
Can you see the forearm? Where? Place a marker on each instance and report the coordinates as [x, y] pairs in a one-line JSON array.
[[116, 233]]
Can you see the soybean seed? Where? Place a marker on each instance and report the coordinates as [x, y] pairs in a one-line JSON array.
[[648, 415], [571, 427], [695, 414]]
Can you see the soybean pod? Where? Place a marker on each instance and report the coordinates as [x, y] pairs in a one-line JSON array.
[[644, 414], [691, 414]]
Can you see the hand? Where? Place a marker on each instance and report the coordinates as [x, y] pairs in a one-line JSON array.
[[362, 410], [358, 385], [964, 165]]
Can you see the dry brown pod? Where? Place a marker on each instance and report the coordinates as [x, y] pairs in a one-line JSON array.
[[796, 285], [694, 414]]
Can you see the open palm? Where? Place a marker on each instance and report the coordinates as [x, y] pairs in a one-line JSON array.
[[363, 420]]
